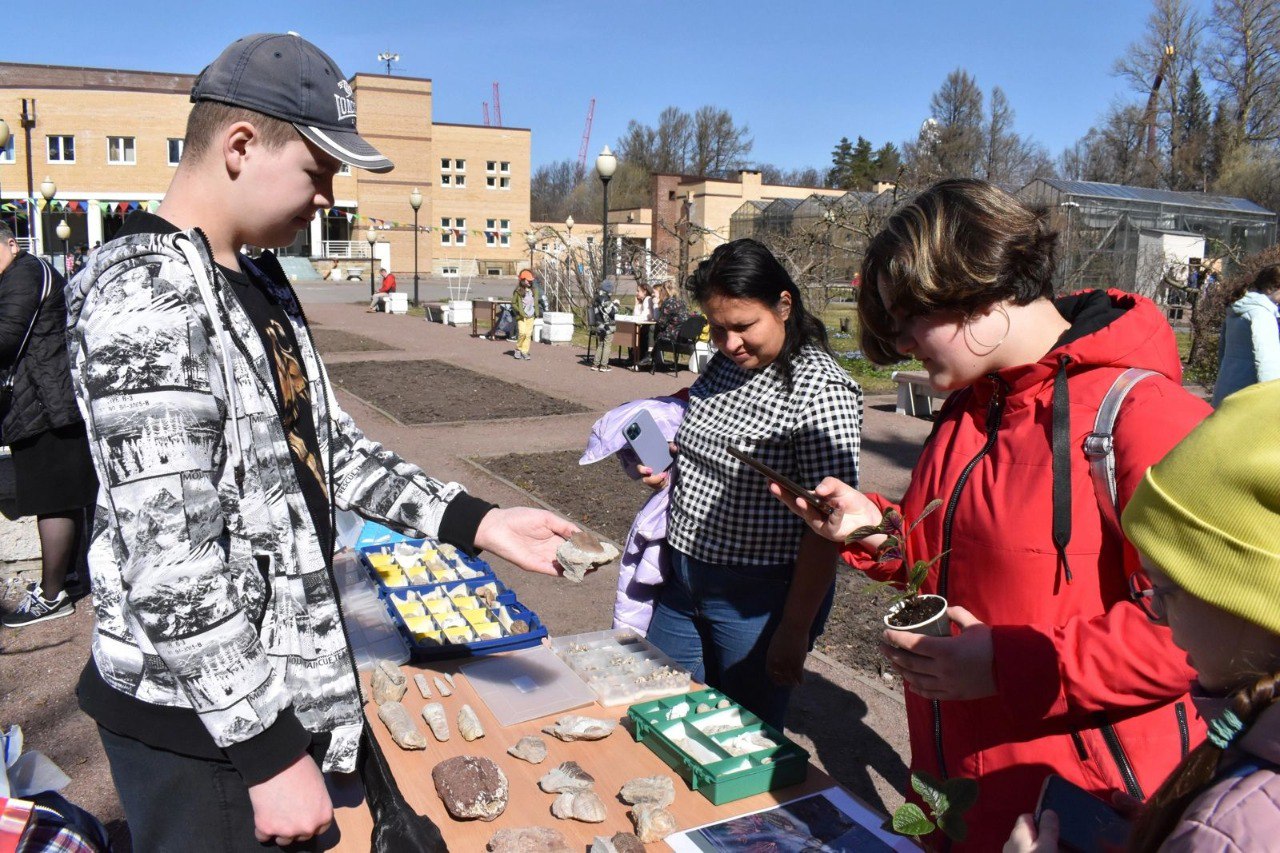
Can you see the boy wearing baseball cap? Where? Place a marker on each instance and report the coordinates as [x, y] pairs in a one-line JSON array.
[[220, 679]]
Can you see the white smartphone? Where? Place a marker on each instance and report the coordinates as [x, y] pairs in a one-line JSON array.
[[646, 439]]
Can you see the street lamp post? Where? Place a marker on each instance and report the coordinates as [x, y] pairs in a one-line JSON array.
[[530, 239], [415, 201], [64, 233], [48, 189], [606, 165], [372, 237]]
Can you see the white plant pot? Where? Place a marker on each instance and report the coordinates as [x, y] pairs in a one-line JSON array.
[[938, 625], [557, 327]]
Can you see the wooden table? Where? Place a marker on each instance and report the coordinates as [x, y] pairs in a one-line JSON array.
[[634, 335], [612, 761], [487, 310]]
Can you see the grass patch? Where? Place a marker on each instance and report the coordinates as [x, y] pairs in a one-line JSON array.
[[873, 378]]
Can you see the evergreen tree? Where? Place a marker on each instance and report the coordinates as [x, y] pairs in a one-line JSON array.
[[841, 175], [887, 162]]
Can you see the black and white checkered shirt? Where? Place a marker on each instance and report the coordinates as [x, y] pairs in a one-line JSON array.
[[721, 510]]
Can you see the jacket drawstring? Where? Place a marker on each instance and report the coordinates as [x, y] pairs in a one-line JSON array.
[[1060, 438]]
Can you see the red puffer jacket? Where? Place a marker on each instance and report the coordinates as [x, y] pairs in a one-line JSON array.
[[1087, 687]]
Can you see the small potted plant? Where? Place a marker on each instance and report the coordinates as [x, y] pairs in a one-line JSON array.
[[908, 609]]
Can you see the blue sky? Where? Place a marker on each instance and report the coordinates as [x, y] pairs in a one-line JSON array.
[[799, 74]]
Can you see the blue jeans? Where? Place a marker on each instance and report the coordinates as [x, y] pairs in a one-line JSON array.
[[717, 621]]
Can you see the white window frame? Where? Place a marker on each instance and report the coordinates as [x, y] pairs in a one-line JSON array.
[[6, 153], [182, 146], [490, 182], [505, 167], [459, 180], [344, 169], [504, 183], [460, 165], [445, 163], [62, 148], [490, 166], [447, 235], [446, 179], [119, 149], [504, 232]]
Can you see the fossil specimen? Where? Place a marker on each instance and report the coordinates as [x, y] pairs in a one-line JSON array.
[[442, 686], [469, 724], [581, 553], [576, 727], [421, 681], [621, 842], [471, 787], [530, 748], [530, 839], [399, 722], [658, 790], [568, 776], [653, 823], [585, 806], [433, 713], [389, 683]]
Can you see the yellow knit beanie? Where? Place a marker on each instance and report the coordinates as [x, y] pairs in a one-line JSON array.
[[1208, 514]]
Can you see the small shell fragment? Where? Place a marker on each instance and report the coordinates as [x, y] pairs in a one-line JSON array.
[[585, 806], [433, 713], [423, 687], [469, 724], [531, 748], [388, 682], [702, 708], [575, 727], [442, 686], [653, 823], [532, 839], [723, 703], [567, 776], [658, 790], [448, 676], [398, 721]]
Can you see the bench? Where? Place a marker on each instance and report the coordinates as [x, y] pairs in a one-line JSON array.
[[915, 394]]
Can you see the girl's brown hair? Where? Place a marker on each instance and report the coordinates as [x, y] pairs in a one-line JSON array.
[[958, 246], [1267, 280], [1197, 771]]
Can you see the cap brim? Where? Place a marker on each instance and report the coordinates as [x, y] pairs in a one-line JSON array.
[[346, 146]]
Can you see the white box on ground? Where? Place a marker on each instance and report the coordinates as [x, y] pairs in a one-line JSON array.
[[557, 327], [397, 303], [458, 313], [702, 353]]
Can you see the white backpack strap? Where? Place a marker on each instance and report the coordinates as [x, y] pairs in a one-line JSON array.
[[1100, 448]]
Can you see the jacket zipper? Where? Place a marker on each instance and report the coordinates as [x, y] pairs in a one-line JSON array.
[[1122, 761], [995, 411], [1184, 735]]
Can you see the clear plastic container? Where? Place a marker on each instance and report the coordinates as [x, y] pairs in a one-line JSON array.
[[370, 629], [620, 666]]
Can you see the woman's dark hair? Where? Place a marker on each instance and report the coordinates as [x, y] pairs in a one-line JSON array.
[[958, 246], [746, 269], [1267, 280], [1197, 771]]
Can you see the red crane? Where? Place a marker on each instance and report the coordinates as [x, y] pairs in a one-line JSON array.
[[485, 106], [497, 106], [586, 140]]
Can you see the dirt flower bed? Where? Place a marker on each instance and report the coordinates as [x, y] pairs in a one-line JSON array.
[[429, 392], [336, 340], [603, 498]]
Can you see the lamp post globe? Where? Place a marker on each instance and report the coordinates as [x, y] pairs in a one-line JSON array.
[[371, 237], [415, 201], [530, 240], [606, 165], [4, 133], [64, 234]]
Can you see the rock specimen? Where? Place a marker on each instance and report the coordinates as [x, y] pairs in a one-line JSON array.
[[657, 790], [442, 686], [421, 681], [723, 703], [469, 724], [573, 727], [621, 842], [585, 806], [448, 676], [569, 776], [389, 683], [471, 787], [583, 552], [488, 595], [702, 708], [400, 723], [532, 839], [433, 713], [531, 748], [653, 823]]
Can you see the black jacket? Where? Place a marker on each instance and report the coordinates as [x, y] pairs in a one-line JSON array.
[[42, 397]]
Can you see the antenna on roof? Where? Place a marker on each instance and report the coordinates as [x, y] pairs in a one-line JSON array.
[[388, 57]]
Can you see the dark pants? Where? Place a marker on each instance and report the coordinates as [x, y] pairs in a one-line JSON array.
[[177, 803]]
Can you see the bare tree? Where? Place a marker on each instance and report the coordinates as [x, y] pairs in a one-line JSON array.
[[1246, 65], [705, 143], [1009, 159]]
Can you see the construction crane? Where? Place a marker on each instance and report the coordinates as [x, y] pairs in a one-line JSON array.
[[485, 106], [1149, 117], [586, 140], [497, 106]]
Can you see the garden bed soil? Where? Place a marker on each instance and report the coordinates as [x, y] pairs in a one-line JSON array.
[[336, 340], [430, 392], [603, 498]]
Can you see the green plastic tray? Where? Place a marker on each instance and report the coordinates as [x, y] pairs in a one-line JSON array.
[[701, 759]]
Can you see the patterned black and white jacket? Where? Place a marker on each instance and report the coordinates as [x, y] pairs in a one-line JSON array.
[[211, 589]]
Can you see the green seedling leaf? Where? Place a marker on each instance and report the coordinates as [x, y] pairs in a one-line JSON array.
[[929, 788], [917, 576], [909, 819], [962, 793], [863, 532], [924, 513]]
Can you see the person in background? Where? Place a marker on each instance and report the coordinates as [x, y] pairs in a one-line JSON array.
[[671, 311], [379, 301], [43, 427], [333, 273], [1204, 523], [1053, 669], [1249, 345], [749, 587], [604, 319], [644, 308], [526, 302]]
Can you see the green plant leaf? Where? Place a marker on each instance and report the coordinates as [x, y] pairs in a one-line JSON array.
[[929, 788], [961, 793], [909, 819], [954, 827], [917, 576], [863, 532]]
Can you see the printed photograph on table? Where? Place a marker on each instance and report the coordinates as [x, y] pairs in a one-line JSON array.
[[830, 821]]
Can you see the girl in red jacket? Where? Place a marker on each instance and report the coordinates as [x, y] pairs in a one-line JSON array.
[[1052, 668]]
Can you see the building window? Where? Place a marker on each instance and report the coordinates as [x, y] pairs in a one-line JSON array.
[[453, 232], [121, 151], [459, 180], [453, 172], [491, 166], [493, 182], [504, 183], [62, 149], [175, 151], [505, 167], [445, 163], [6, 153], [493, 271], [449, 272], [446, 179], [344, 169], [459, 165], [497, 232]]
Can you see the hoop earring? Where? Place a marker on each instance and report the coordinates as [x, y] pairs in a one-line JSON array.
[[990, 348]]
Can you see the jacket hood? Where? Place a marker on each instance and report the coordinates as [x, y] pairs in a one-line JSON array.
[[1254, 301], [1111, 328], [133, 248]]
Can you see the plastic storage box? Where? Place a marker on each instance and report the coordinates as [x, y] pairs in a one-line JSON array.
[[371, 630], [725, 753], [620, 666], [420, 562], [465, 619]]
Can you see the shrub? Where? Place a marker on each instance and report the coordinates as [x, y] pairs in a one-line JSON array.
[[1211, 311]]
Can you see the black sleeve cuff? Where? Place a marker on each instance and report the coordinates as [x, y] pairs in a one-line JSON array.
[[266, 754], [461, 520]]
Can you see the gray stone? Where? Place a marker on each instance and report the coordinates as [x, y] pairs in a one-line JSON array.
[[469, 724], [568, 776], [442, 686], [573, 727], [389, 683], [658, 790], [582, 552], [530, 839], [423, 687], [531, 748], [584, 806], [433, 713], [471, 787]]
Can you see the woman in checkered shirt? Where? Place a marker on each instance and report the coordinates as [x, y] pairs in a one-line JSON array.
[[750, 587]]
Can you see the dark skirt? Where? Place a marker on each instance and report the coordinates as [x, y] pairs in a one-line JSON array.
[[53, 471]]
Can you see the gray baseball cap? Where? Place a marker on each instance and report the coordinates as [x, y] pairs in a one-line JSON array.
[[287, 77]]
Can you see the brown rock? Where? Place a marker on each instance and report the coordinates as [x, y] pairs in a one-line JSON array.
[[659, 790], [621, 842], [471, 787]]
